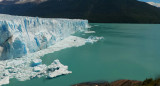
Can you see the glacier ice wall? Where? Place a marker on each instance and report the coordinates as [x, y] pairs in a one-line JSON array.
[[21, 35]]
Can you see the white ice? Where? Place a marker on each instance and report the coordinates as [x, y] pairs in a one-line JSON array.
[[92, 39], [22, 35], [89, 32]]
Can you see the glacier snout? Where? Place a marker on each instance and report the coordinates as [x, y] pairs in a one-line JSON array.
[[21, 35]]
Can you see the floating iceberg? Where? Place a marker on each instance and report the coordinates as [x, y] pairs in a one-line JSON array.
[[22, 35], [36, 62], [56, 69], [5, 80]]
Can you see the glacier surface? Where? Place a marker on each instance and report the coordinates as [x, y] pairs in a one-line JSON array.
[[22, 35]]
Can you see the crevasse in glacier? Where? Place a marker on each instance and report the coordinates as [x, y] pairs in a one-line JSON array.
[[21, 35]]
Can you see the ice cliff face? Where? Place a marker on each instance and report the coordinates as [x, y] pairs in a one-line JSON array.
[[21, 35]]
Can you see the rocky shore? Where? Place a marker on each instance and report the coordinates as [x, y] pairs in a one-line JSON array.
[[147, 82]]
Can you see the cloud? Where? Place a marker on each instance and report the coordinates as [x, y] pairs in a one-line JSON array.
[[26, 1], [154, 4], [21, 1]]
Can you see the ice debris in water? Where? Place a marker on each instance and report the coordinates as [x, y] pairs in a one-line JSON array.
[[92, 39], [89, 32], [36, 62], [22, 69], [4, 80], [56, 68], [23, 72]]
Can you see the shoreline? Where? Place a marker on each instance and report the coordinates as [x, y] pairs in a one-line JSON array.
[[122, 82]]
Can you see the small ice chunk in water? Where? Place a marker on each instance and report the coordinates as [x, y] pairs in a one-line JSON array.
[[4, 80], [92, 39], [56, 69], [37, 69], [36, 62], [89, 32]]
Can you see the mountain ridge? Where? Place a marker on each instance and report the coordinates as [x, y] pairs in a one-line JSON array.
[[96, 11]]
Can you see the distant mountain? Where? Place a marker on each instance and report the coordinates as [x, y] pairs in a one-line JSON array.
[[106, 11]]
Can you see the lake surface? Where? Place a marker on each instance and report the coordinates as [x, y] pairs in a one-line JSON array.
[[128, 51]]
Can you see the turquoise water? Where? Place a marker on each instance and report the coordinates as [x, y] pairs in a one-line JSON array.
[[128, 51]]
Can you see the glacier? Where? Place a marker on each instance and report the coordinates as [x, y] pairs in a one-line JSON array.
[[22, 35], [31, 38]]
